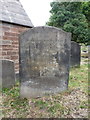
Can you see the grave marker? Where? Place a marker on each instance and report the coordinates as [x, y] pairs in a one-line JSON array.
[[44, 61], [75, 54], [7, 76]]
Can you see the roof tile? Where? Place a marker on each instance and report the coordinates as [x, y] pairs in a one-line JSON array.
[[12, 11]]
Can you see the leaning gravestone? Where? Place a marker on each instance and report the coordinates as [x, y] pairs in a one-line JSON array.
[[44, 61], [75, 58], [7, 76]]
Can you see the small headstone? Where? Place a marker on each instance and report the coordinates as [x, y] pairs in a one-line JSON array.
[[44, 61], [75, 58], [7, 76]]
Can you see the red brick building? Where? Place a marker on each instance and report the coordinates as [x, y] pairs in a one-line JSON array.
[[13, 21]]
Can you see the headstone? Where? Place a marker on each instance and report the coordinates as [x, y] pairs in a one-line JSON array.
[[75, 54], [44, 61], [7, 76]]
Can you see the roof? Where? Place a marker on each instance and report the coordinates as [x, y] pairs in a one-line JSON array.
[[13, 12]]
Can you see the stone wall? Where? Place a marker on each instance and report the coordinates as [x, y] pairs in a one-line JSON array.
[[9, 42]]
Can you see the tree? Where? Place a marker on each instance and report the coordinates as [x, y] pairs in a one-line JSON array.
[[86, 11], [69, 17]]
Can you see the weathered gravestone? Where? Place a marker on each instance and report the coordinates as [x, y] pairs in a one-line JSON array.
[[7, 76], [44, 61], [75, 58]]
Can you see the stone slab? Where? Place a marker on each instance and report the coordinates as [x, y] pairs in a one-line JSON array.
[[7, 75], [44, 61], [75, 54]]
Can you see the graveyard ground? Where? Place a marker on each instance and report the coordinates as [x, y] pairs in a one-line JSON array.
[[72, 103], [69, 104]]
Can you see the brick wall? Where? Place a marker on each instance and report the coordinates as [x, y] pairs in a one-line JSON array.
[[9, 43]]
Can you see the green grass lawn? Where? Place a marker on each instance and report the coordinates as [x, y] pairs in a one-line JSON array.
[[72, 103]]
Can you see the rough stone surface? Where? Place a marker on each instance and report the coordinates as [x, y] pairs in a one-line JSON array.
[[8, 73], [75, 54], [44, 61]]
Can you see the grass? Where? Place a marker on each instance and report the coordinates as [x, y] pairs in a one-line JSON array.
[[79, 77], [68, 104]]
